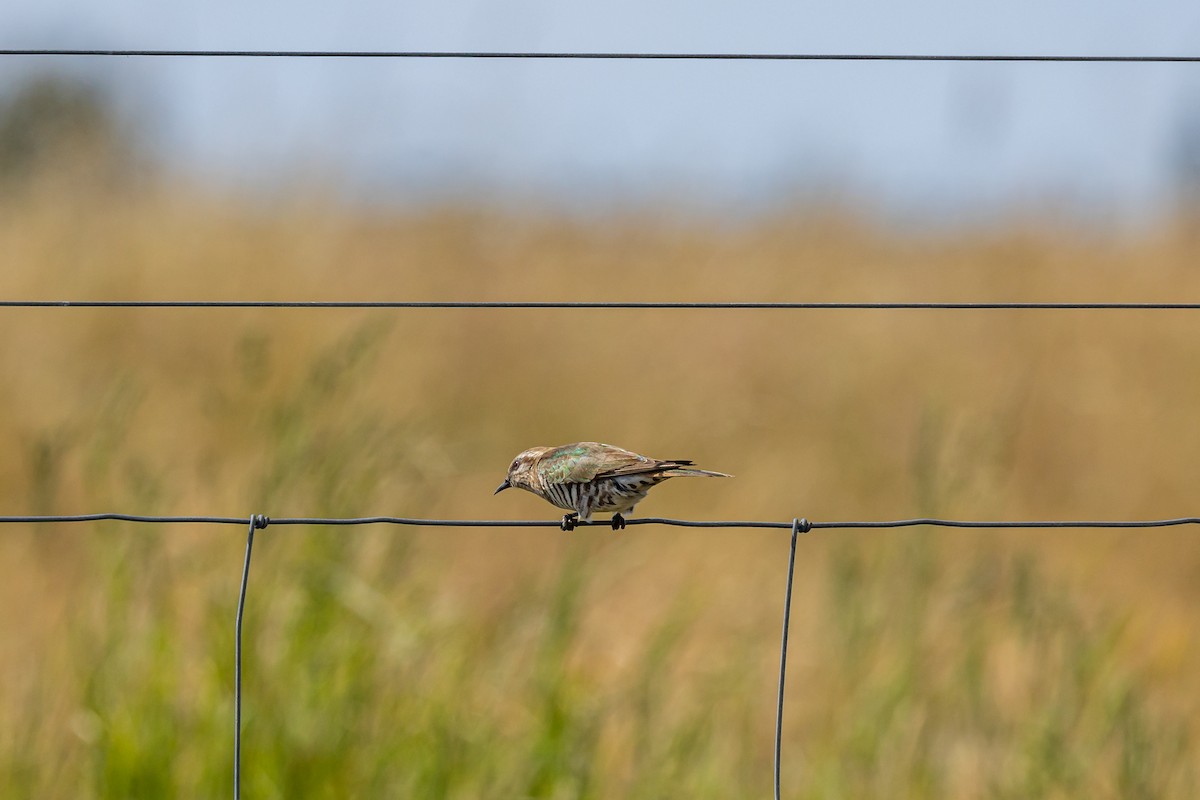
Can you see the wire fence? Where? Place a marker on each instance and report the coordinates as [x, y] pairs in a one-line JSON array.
[[796, 526]]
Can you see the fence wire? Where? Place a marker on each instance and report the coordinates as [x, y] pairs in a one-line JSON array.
[[797, 526], [616, 304], [607, 56], [542, 523], [255, 522]]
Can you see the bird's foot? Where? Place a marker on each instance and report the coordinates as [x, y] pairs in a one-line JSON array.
[[569, 520], [618, 522]]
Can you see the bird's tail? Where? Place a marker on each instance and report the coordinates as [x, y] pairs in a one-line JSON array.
[[693, 473]]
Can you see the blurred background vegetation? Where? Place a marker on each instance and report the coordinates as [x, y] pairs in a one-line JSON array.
[[529, 663]]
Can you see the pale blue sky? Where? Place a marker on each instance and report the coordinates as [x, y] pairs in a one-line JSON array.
[[905, 136]]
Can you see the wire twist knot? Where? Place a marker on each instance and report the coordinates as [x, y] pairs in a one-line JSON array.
[[801, 525], [260, 521]]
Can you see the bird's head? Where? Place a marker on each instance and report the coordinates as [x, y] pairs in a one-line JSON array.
[[521, 473]]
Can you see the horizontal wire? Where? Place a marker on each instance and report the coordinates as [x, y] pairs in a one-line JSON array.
[[683, 523], [812, 306], [629, 56]]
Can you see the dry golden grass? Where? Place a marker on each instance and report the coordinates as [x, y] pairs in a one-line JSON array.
[[829, 415]]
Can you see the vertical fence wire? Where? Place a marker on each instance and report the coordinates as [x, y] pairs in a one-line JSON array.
[[256, 521], [798, 525]]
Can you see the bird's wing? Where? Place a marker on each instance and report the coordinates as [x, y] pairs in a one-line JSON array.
[[587, 461], [645, 466]]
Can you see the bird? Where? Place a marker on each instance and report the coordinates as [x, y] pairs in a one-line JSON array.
[[586, 477]]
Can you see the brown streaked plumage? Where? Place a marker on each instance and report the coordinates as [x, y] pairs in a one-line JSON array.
[[589, 477]]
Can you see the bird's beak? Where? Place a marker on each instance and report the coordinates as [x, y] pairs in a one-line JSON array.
[[502, 487]]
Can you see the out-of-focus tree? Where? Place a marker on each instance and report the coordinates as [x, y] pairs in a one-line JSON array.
[[64, 127], [1185, 159]]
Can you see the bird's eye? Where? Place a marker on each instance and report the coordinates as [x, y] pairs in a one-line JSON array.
[[514, 465]]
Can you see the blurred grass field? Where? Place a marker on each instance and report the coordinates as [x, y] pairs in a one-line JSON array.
[[530, 663]]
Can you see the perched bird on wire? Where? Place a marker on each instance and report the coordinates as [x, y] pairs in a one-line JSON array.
[[587, 477]]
